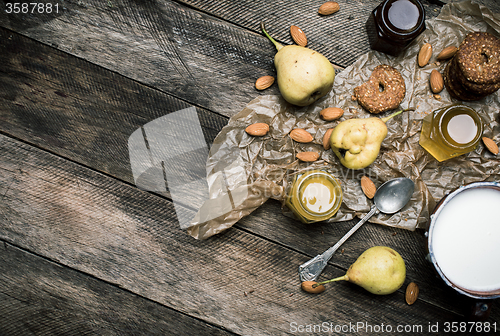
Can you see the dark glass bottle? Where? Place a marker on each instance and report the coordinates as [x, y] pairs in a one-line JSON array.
[[394, 24]]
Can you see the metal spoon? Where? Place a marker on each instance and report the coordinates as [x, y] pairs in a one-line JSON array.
[[389, 198]]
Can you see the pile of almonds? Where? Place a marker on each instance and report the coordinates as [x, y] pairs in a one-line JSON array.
[[436, 81], [300, 135]]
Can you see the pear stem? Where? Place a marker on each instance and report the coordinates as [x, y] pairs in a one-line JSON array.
[[276, 44], [343, 277], [385, 119]]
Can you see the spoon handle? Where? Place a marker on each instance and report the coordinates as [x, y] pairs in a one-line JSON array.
[[327, 255], [310, 270]]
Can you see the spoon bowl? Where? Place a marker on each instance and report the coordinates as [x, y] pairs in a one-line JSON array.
[[389, 198], [393, 195]]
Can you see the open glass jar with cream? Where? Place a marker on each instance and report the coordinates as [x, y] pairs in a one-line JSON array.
[[451, 131], [463, 237], [314, 196]]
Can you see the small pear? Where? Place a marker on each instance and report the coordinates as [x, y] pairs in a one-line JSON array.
[[304, 75], [380, 270], [357, 141]]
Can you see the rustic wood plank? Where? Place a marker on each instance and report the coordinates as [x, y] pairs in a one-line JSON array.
[[40, 297], [117, 233], [162, 44], [81, 111], [341, 37]]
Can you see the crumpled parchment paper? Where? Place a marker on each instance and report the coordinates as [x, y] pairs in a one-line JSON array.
[[243, 171]]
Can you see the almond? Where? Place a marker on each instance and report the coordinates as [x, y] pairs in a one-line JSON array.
[[257, 129], [326, 139], [447, 53], [298, 36], [264, 82], [411, 293], [328, 8], [307, 156], [491, 145], [368, 187], [301, 135], [331, 113], [436, 81], [308, 286], [424, 55]]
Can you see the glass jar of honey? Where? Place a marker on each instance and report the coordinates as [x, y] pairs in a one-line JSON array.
[[394, 24], [451, 131], [314, 196]]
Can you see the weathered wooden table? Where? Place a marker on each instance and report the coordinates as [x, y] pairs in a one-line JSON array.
[[84, 251]]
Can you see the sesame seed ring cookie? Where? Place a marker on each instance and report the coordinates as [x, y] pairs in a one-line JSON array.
[[384, 90], [478, 58], [477, 89], [454, 87]]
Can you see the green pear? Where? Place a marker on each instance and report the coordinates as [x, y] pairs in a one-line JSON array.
[[380, 270], [357, 141], [304, 75]]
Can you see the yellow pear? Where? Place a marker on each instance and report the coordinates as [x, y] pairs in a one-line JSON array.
[[356, 142], [380, 270], [304, 75]]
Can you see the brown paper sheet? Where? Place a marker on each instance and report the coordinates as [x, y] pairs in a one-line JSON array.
[[243, 171]]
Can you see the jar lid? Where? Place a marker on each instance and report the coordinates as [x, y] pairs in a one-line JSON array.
[[403, 19]]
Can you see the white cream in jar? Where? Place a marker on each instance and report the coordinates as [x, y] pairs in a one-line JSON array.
[[466, 239]]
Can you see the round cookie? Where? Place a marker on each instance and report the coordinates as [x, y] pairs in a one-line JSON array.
[[449, 84], [478, 58], [479, 89], [454, 87], [392, 94]]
